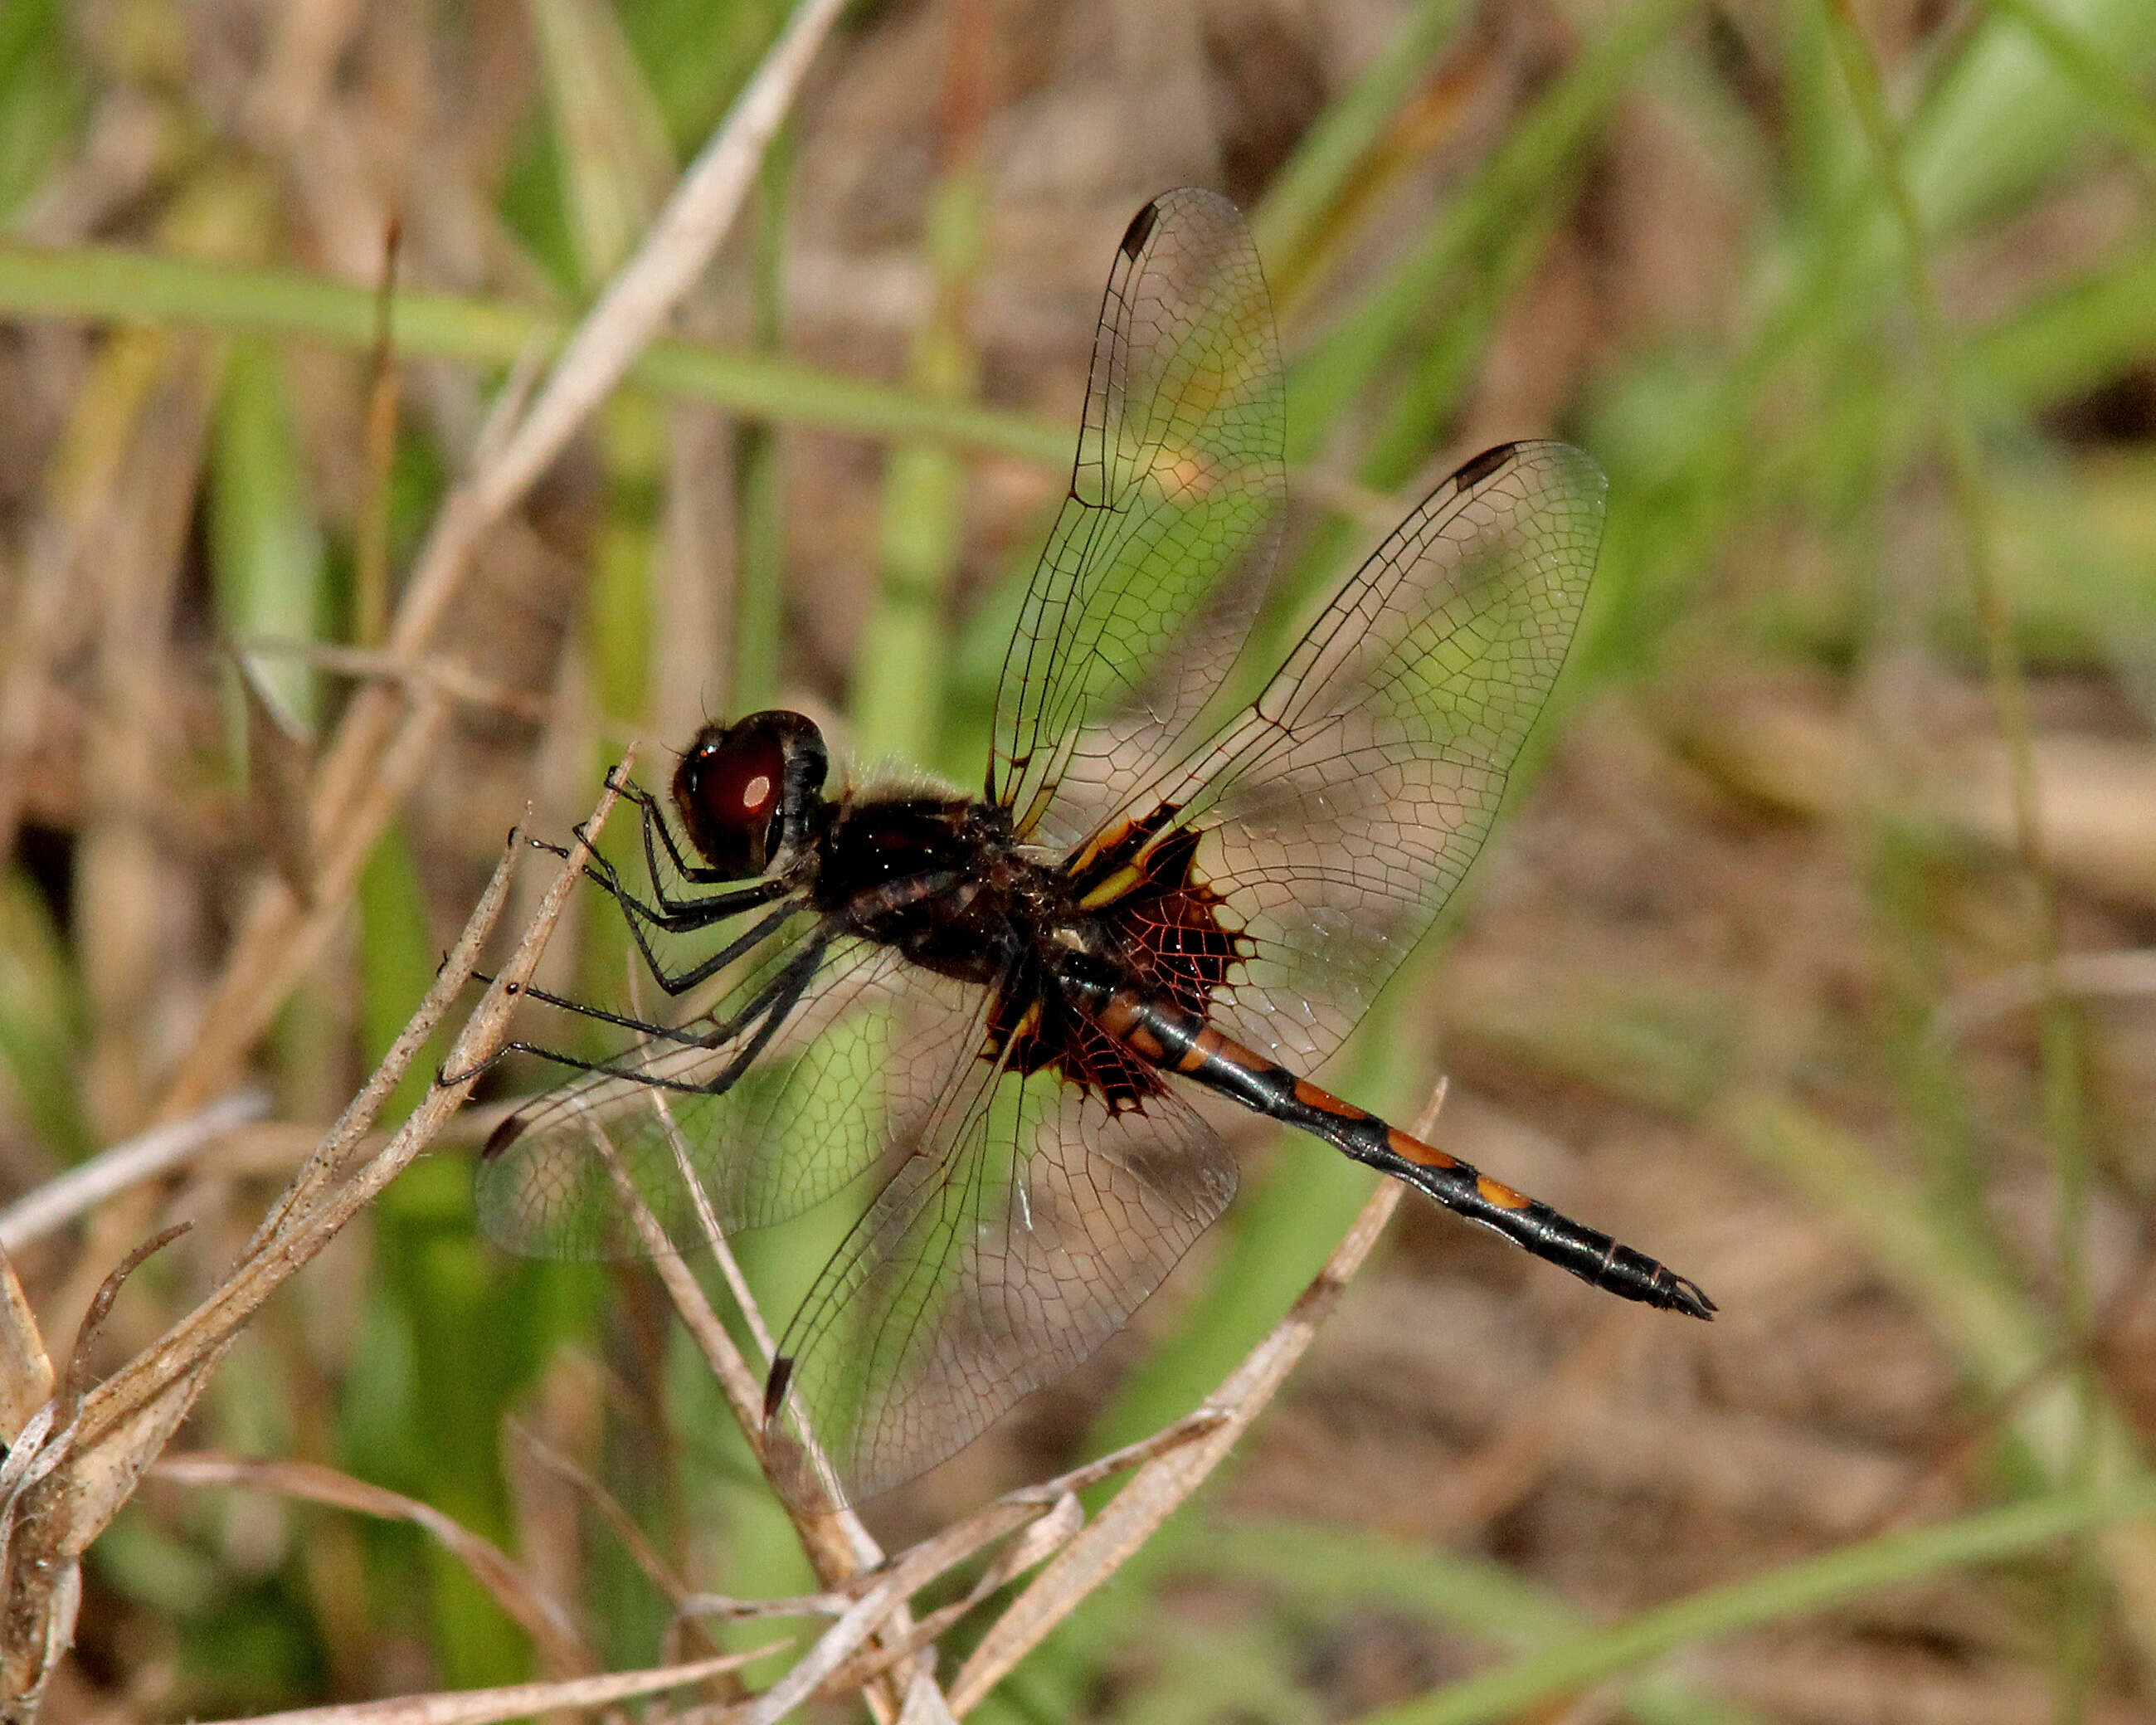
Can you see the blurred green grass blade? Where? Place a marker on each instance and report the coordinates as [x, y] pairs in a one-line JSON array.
[[695, 57], [759, 595], [618, 639], [1301, 200], [2009, 113], [1314, 1567], [1528, 168], [619, 619], [1966, 1295], [1418, 413], [2076, 337], [469, 1334], [897, 706], [1322, 1566], [396, 959], [41, 1020], [43, 96], [266, 548], [2085, 62], [610, 140], [1852, 1571], [1203, 1672], [109, 282]]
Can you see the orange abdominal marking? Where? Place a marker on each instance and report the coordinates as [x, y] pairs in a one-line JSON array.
[[1415, 1150], [1204, 1046], [1311, 1097], [1500, 1194]]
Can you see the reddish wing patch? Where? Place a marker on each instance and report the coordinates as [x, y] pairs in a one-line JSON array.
[[1167, 920], [1041, 1033], [1167, 923]]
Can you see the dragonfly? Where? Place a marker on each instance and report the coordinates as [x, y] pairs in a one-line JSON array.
[[992, 1014]]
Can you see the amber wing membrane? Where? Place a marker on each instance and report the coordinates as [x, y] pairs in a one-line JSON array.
[[1340, 809], [1174, 514]]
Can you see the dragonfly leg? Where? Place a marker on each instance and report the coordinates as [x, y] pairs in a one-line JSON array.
[[774, 1003]]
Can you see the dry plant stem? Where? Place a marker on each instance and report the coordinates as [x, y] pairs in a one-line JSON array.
[[561, 1649], [667, 262], [2125, 975], [838, 1546], [853, 1628], [1165, 1482], [79, 1370], [1030, 1508], [641, 1551], [1172, 1464], [383, 745], [92, 1468], [716, 1236], [517, 1700], [52, 1206], [298, 1227], [445, 676]]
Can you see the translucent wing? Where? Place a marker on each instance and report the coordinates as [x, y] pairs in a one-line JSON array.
[[1338, 811], [1178, 486], [786, 1092], [1026, 1222]]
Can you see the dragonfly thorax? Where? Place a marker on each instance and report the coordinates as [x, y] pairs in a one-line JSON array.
[[940, 878]]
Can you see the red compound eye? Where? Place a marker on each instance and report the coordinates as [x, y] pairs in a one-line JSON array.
[[731, 789]]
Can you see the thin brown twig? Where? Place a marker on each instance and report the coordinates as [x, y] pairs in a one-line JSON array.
[[1163, 1483], [516, 1701], [561, 1650], [46, 1209], [91, 1468], [646, 1556], [445, 676], [77, 1376], [386, 741]]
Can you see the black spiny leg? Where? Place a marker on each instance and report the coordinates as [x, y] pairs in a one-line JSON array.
[[774, 1003]]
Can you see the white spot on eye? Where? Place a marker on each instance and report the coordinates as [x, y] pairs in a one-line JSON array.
[[757, 792]]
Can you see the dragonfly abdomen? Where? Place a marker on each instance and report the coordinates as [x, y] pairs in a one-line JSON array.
[[1177, 1040]]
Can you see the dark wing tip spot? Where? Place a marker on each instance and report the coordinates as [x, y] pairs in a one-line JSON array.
[[1483, 465], [776, 1385], [502, 1137], [1141, 229]]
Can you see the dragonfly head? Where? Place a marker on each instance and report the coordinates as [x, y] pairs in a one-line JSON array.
[[748, 791]]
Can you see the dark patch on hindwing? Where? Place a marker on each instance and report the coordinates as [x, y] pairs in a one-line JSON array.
[[1033, 1028], [1140, 883]]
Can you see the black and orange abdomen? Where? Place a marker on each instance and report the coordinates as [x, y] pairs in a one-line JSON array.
[[1167, 1036]]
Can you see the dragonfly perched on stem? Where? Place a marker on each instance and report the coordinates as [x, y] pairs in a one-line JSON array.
[[992, 1009]]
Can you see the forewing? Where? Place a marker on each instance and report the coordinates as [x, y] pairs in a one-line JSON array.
[[1343, 807], [1025, 1224], [846, 1071], [1177, 487]]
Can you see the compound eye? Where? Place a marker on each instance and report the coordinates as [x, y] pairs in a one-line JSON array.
[[730, 791], [744, 791]]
